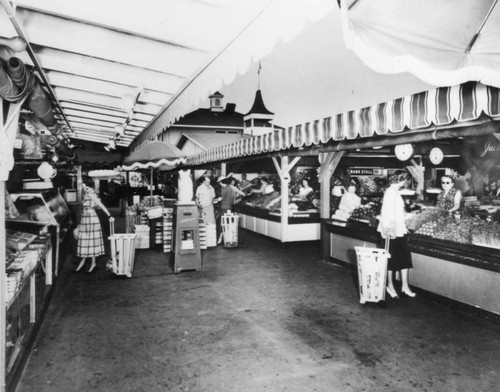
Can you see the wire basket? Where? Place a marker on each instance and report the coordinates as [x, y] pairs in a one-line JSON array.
[[122, 252], [230, 230], [372, 273]]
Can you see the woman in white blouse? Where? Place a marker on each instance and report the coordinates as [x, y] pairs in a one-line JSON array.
[[392, 226]]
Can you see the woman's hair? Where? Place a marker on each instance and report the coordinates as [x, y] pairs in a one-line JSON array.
[[398, 176], [88, 181], [450, 177]]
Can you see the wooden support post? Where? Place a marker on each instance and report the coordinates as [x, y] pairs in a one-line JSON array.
[[284, 173], [4, 173], [329, 163]]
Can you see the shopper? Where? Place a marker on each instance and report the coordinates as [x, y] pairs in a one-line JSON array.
[[90, 239], [449, 199], [392, 228], [205, 195], [229, 193], [265, 187]]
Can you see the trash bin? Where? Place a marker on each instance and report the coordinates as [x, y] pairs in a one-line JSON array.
[[372, 273], [230, 229], [122, 252]]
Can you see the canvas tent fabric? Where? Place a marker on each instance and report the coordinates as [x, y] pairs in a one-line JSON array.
[[423, 111], [443, 42], [156, 155]]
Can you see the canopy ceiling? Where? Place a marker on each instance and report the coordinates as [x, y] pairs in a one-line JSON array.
[[442, 42], [143, 64]]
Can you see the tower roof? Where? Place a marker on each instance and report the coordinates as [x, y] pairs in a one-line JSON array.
[[258, 105], [216, 95]]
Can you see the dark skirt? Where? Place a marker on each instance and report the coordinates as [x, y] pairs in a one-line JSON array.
[[400, 254]]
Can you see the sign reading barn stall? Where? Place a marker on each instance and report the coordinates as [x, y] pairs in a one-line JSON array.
[[365, 171]]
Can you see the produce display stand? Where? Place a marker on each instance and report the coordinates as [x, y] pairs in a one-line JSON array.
[[122, 251], [372, 273]]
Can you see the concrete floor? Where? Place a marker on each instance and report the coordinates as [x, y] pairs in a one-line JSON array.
[[262, 317]]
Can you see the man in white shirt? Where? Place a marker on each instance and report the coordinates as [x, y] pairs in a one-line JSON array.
[[205, 194]]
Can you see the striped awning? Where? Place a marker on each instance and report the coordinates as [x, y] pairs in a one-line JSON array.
[[438, 107]]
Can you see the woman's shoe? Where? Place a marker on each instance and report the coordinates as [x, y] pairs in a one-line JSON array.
[[92, 269], [392, 293], [408, 293]]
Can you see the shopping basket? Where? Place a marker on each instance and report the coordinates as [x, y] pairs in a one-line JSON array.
[[372, 272], [230, 229], [122, 251]]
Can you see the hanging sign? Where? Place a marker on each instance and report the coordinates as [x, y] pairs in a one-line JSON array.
[[365, 171]]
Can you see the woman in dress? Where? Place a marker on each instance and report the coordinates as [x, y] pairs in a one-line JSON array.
[[392, 227], [229, 193], [90, 240]]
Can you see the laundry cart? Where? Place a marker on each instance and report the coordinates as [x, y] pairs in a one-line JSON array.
[[372, 273], [122, 251], [230, 229]]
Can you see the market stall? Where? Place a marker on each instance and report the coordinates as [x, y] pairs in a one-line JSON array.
[[286, 208], [449, 119], [151, 216]]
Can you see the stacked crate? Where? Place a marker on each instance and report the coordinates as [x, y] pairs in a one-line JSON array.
[[211, 235], [142, 239], [168, 216], [131, 221], [202, 230]]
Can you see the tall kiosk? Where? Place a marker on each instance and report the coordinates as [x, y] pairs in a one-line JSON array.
[[186, 254]]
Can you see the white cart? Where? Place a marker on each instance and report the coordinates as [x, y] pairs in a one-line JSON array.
[[372, 273], [230, 229], [122, 251]]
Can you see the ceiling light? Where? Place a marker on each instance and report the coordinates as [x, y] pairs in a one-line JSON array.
[[120, 129]]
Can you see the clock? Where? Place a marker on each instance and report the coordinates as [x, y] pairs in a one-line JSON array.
[[403, 151], [436, 156]]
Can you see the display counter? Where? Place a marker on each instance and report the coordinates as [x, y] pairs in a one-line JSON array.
[[468, 274], [27, 290], [41, 211], [300, 225]]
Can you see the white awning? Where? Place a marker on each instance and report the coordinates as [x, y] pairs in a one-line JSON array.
[[442, 42]]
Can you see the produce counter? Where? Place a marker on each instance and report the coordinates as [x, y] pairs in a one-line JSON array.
[[468, 274], [301, 225]]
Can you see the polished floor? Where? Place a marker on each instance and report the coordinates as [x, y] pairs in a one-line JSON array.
[[261, 317]]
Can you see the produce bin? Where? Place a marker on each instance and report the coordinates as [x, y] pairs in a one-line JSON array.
[[372, 273]]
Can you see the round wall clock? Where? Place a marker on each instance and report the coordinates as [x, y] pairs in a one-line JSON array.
[[403, 151], [436, 155]]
